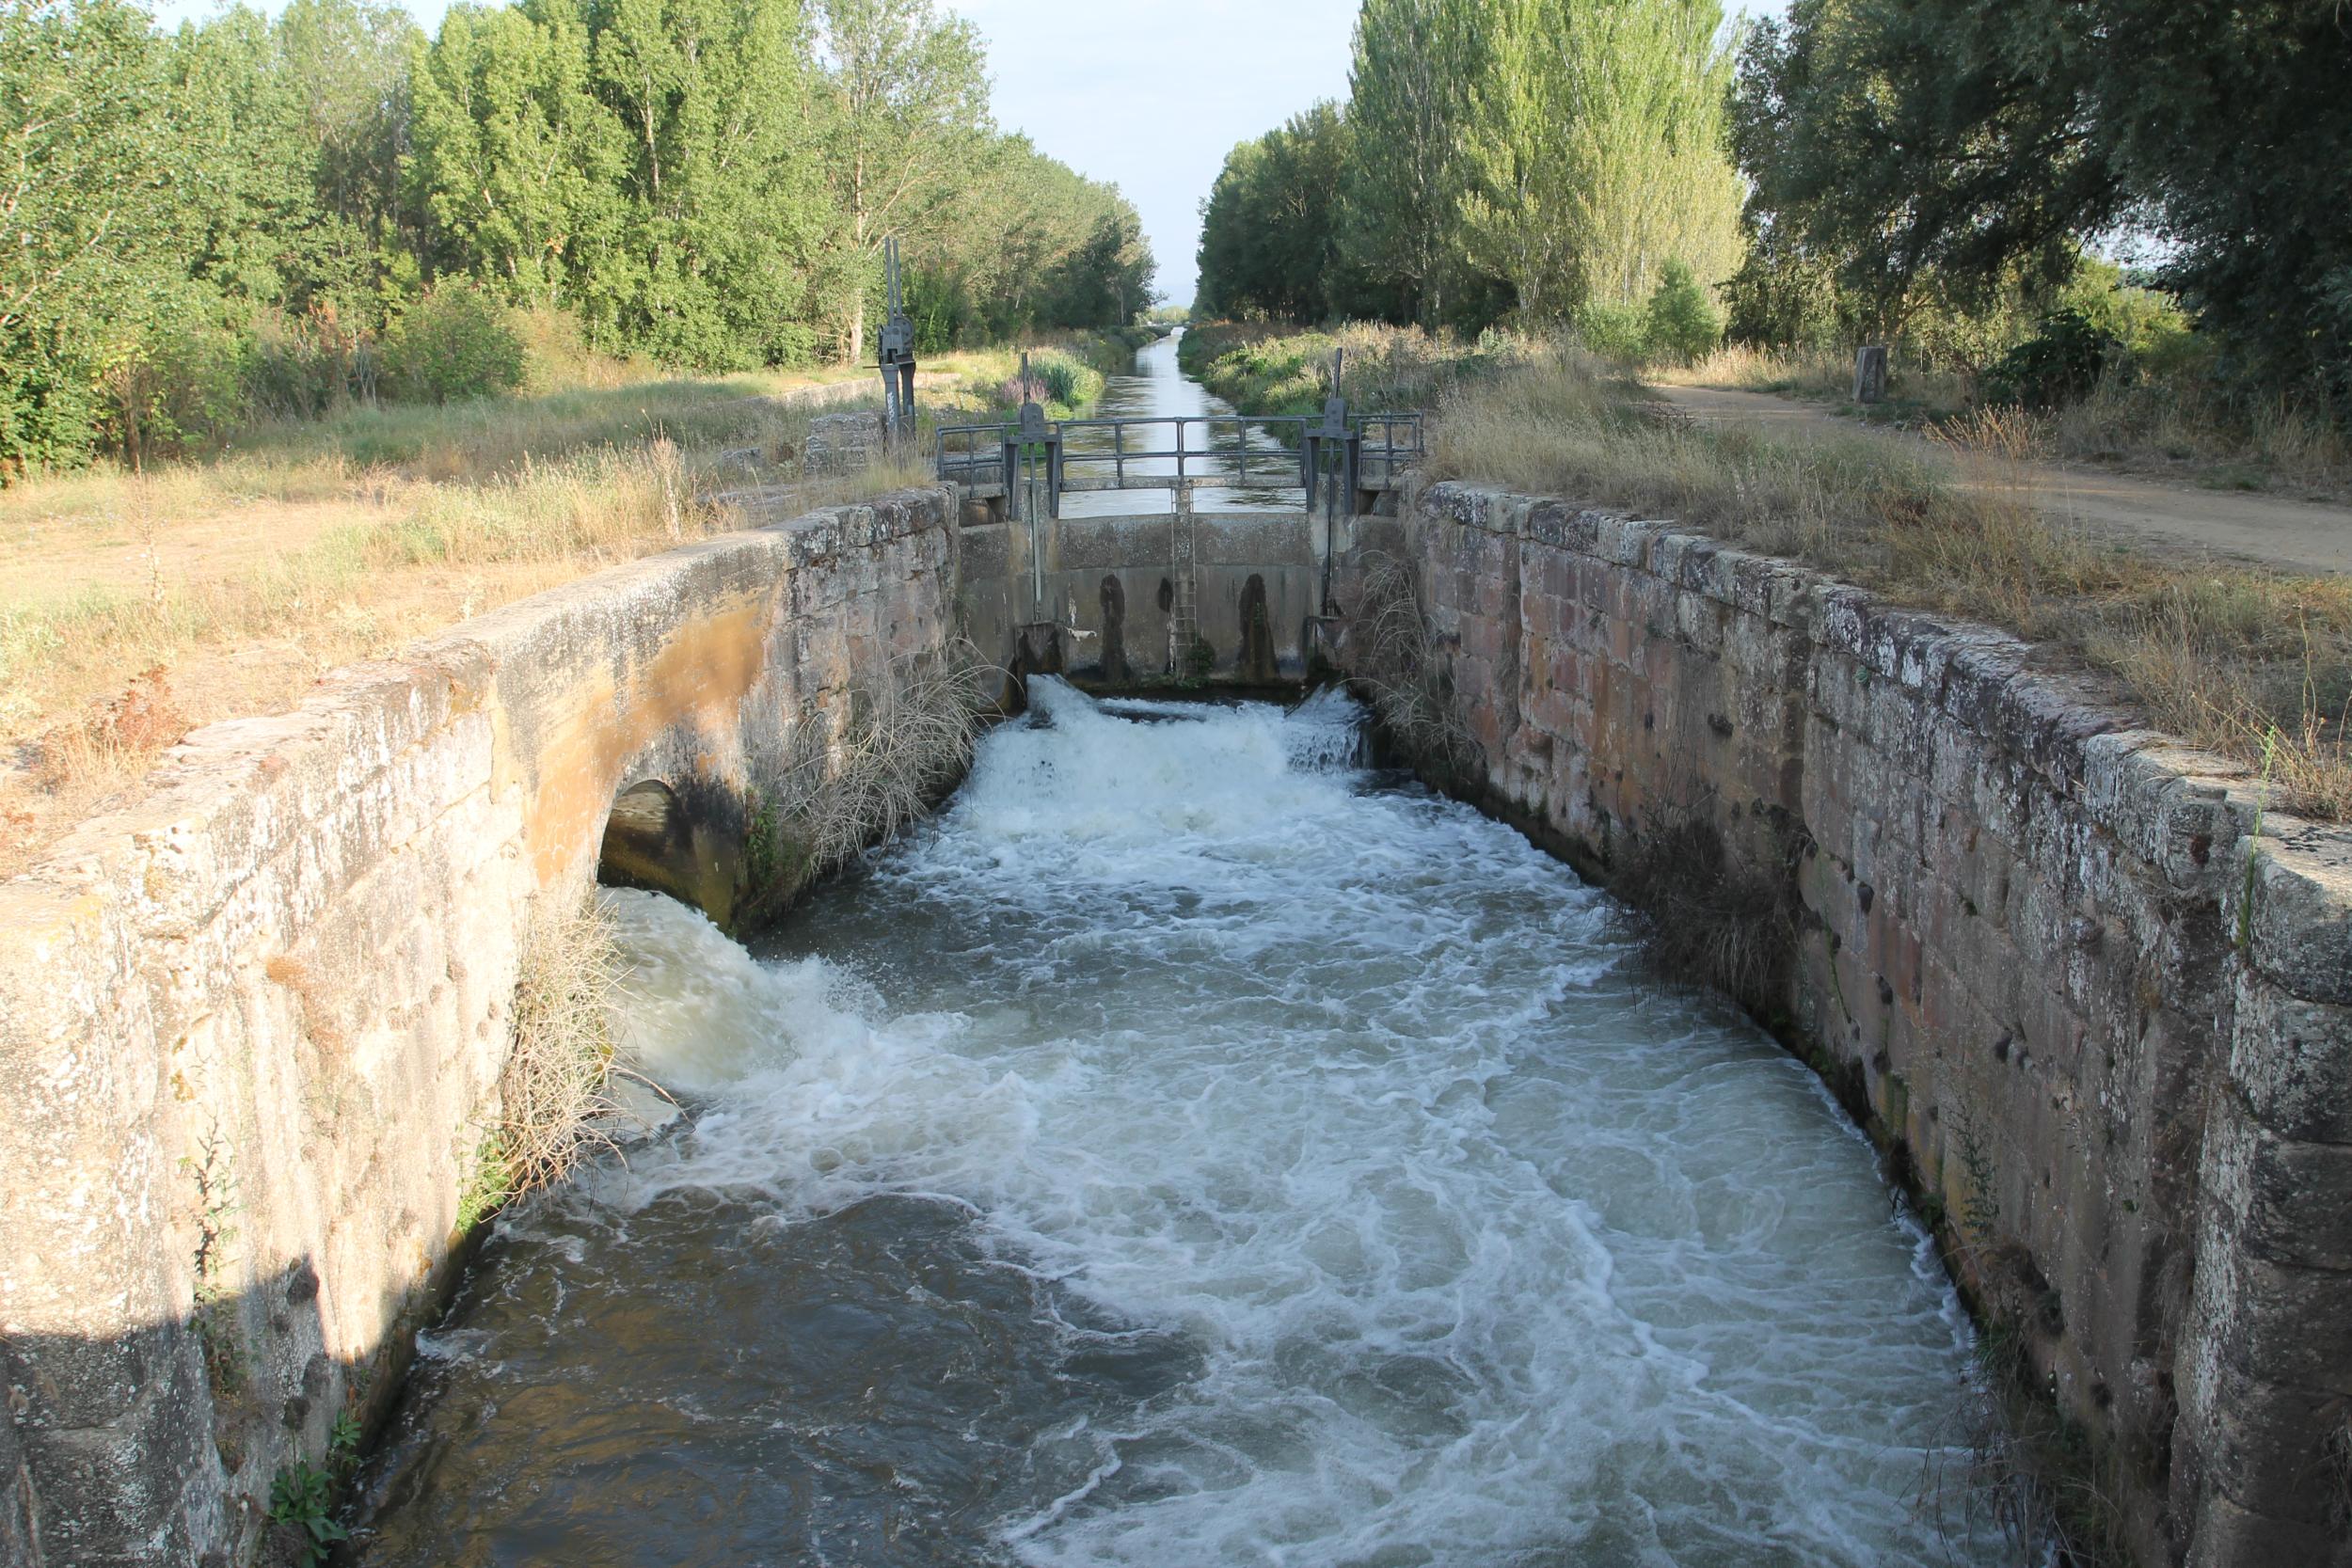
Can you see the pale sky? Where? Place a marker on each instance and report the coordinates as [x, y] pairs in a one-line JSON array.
[[1149, 94]]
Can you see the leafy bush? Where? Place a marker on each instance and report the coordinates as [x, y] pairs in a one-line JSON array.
[[454, 342], [1619, 332], [178, 390], [302, 1501], [2060, 363], [1061, 384], [1061, 378], [1683, 324]]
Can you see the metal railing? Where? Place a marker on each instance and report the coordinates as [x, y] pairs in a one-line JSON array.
[[1399, 446], [1224, 455]]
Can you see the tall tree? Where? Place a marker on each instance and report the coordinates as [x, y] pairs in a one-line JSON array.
[[349, 61], [1269, 232], [1596, 151], [97, 213], [2232, 124], [908, 108], [1916, 137], [724, 217], [1409, 104], [518, 167]]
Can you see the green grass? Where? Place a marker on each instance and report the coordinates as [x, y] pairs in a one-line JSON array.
[[1273, 370]]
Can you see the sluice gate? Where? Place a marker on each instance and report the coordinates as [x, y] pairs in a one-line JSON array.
[[1184, 548]]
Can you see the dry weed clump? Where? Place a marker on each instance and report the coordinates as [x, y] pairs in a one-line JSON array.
[[554, 1091], [1397, 666], [907, 739], [2254, 664], [1709, 919], [118, 738]]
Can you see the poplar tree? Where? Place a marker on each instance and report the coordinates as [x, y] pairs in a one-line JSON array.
[[1409, 101], [518, 166], [1270, 231], [1596, 151], [98, 215], [907, 107]]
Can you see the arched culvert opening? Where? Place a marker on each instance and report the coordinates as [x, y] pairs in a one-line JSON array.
[[653, 842]]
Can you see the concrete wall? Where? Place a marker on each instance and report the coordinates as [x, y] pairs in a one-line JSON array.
[[251, 1029], [1114, 587], [2078, 1000]]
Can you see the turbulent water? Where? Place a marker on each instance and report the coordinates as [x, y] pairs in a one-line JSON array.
[[1193, 1150]]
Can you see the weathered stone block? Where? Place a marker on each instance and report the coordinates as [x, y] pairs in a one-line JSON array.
[[2292, 1059], [842, 443], [2298, 916]]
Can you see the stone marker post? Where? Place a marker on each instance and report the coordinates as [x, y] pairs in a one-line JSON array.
[[1870, 373]]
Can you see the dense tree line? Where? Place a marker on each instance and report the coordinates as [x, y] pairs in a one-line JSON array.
[[1938, 172], [266, 217], [1546, 158], [1910, 153]]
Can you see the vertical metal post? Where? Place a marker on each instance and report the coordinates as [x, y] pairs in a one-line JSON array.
[[895, 352], [1333, 433]]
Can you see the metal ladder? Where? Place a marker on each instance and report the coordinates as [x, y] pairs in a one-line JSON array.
[[1183, 616]]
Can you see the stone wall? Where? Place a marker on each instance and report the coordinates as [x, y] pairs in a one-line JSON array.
[[251, 1029], [2105, 1028]]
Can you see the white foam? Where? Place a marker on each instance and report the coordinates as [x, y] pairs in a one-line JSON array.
[[1492, 1254]]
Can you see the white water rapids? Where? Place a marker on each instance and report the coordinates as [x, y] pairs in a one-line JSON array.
[[1452, 1239]]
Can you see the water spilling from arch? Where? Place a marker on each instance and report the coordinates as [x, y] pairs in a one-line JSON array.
[[1193, 1147]]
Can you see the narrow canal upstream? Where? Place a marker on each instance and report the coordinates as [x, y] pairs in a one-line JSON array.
[[1193, 1148], [1160, 390]]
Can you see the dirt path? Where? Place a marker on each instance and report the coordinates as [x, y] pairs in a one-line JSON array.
[[2297, 535]]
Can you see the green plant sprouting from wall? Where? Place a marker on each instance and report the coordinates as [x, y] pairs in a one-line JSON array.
[[766, 851], [302, 1500], [489, 1184], [214, 1319], [1979, 1199]]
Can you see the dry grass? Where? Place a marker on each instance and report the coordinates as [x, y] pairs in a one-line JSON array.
[[1708, 919], [1819, 375], [2181, 431], [552, 1096], [907, 739], [236, 583], [2256, 665]]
